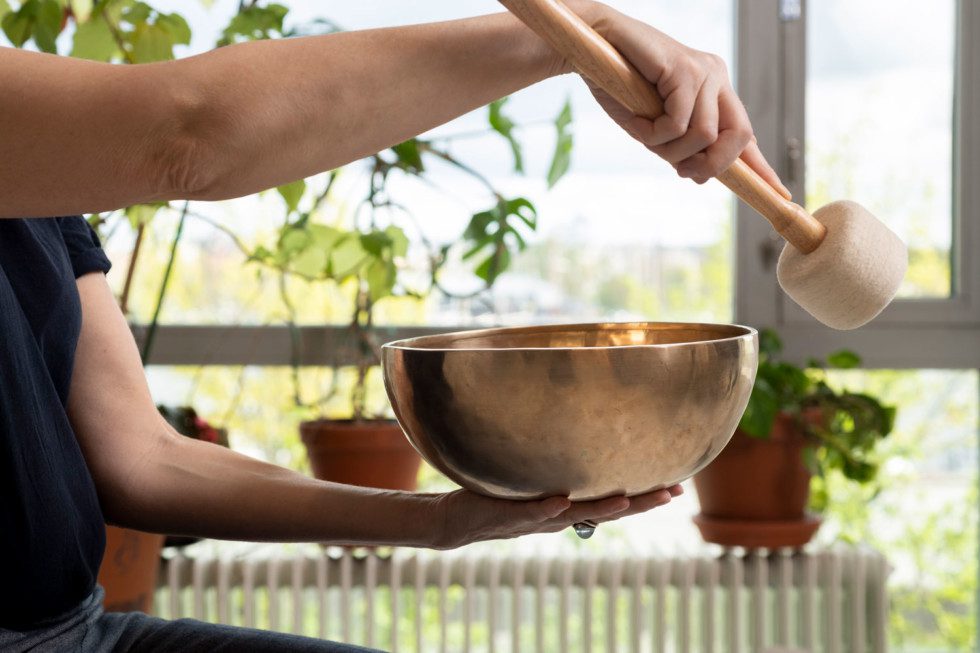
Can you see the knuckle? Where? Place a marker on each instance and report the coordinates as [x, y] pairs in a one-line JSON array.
[[704, 133]]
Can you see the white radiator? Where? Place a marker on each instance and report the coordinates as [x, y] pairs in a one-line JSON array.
[[831, 601]]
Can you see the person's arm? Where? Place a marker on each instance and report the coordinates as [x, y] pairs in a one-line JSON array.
[[151, 478], [79, 136]]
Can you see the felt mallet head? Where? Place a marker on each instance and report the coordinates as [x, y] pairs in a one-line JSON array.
[[853, 273]]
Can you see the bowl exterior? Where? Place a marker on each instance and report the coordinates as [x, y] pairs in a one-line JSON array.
[[586, 422]]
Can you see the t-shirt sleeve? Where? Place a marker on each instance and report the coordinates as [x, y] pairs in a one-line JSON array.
[[84, 247]]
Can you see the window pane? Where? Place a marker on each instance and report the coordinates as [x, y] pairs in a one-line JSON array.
[[620, 237], [879, 116]]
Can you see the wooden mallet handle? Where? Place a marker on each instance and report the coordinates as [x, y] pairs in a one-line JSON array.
[[594, 57]]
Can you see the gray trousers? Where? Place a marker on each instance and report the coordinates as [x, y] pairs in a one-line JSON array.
[[90, 630]]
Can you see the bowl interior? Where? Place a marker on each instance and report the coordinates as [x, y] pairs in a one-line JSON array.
[[570, 336]]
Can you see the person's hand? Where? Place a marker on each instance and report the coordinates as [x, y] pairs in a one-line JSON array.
[[469, 517], [705, 126]]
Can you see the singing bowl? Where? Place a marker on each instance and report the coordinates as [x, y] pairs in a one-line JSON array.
[[581, 410]]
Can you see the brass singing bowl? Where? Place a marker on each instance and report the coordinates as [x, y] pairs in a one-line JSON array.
[[581, 410]]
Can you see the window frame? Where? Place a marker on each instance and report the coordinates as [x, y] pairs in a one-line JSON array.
[[910, 333]]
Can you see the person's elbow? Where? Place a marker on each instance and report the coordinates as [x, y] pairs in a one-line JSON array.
[[186, 159]]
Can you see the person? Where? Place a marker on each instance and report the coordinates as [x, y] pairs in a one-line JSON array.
[[81, 442]]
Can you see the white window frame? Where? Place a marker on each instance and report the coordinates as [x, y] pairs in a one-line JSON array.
[[911, 333]]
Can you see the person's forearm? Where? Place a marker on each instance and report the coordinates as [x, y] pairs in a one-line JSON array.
[[314, 104], [197, 488]]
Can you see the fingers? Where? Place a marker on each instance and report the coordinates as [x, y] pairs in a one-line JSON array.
[[753, 156], [595, 510], [701, 132]]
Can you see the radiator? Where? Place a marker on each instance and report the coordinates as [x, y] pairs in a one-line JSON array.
[[830, 601]]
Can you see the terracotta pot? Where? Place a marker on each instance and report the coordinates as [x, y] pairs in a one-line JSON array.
[[370, 453], [129, 569], [755, 493]]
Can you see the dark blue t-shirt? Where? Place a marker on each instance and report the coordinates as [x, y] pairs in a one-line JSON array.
[[51, 527]]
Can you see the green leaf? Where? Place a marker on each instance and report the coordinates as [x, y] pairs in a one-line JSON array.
[[47, 25], [141, 214], [375, 242], [380, 276], [292, 242], [493, 266], [19, 24], [844, 360], [760, 413], [769, 343], [254, 23], [151, 43], [409, 157], [311, 262], [177, 27], [562, 158], [505, 127], [136, 13], [292, 193], [347, 257], [4, 8], [399, 241], [93, 40]]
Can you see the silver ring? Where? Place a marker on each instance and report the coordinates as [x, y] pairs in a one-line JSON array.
[[585, 528]]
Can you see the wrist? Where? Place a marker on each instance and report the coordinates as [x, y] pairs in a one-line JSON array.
[[596, 14]]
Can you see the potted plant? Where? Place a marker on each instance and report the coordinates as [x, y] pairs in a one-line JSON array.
[[797, 425], [367, 256]]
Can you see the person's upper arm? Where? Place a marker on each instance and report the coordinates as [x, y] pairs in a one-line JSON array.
[[80, 136]]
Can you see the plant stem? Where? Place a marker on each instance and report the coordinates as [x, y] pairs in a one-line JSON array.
[[151, 330], [131, 270]]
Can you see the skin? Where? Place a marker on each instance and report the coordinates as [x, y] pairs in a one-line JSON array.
[[238, 120]]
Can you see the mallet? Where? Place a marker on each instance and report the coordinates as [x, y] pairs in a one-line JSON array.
[[841, 264]]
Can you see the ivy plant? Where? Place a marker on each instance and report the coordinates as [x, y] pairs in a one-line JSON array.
[[843, 427]]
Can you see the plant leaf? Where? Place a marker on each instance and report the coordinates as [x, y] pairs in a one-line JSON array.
[[255, 23], [151, 43], [4, 8], [93, 40], [844, 360], [347, 257], [47, 25], [562, 157], [18, 25], [380, 276], [292, 193], [505, 127], [409, 156], [760, 413], [141, 214], [177, 27], [770, 343]]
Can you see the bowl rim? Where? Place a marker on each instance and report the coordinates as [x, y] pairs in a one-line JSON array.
[[413, 344]]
